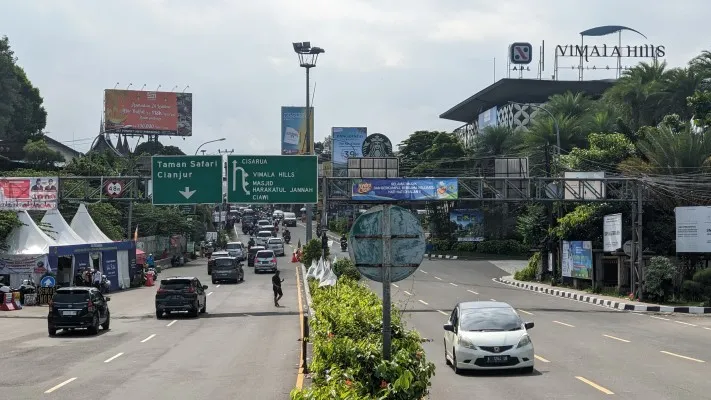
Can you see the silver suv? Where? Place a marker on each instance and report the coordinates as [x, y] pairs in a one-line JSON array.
[[265, 260], [236, 250], [277, 245]]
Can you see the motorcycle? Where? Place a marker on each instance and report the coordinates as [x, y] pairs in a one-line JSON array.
[[344, 245], [287, 237]]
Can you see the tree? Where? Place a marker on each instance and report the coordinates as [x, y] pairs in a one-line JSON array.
[[108, 219], [40, 155], [493, 141], [604, 153], [157, 148]]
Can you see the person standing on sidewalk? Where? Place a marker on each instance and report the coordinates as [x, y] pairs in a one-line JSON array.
[[276, 286]]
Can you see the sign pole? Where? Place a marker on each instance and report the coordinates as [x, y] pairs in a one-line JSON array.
[[387, 261]]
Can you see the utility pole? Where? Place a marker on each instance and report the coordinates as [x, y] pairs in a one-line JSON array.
[[549, 212]]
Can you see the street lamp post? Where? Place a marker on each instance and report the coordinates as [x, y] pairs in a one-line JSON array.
[[307, 59], [208, 142]]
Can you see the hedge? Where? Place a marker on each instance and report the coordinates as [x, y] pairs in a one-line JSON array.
[[347, 360]]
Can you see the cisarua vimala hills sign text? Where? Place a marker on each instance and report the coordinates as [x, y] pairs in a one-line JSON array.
[[272, 179], [187, 180]]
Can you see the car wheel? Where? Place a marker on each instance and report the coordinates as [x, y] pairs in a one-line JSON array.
[[203, 310], [94, 328], [214, 281], [527, 370], [105, 325], [52, 331], [196, 309], [446, 359], [454, 363], [159, 314]]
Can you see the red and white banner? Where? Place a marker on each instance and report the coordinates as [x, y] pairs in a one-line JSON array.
[[23, 193]]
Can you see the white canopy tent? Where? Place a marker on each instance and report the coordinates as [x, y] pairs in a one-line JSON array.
[[86, 228], [26, 253], [62, 232]]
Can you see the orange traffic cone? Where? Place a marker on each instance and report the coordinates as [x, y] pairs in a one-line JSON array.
[[149, 279], [293, 257]]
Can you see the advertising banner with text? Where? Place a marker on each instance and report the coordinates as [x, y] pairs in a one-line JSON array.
[[577, 260], [148, 113], [405, 189], [293, 130], [24, 193], [347, 143]]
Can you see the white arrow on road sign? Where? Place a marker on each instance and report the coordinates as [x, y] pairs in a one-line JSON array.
[[235, 168], [187, 193]]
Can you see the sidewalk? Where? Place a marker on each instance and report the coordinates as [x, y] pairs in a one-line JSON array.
[[605, 301]]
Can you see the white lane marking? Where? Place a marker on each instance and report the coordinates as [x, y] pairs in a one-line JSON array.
[[525, 312], [247, 315], [684, 323], [684, 357], [492, 299], [407, 293], [438, 278], [70, 380], [423, 302], [595, 385], [616, 338], [396, 286], [564, 324], [442, 312], [541, 359], [655, 317], [453, 284], [424, 272], [209, 293], [113, 358], [172, 322], [707, 328], [472, 292], [148, 338], [217, 286]]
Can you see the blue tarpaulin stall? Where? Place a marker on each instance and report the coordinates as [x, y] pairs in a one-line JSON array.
[[115, 259]]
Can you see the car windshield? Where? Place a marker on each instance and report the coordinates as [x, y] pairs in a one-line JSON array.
[[489, 320], [234, 246], [77, 296], [264, 234], [254, 250], [274, 241], [264, 222], [174, 284], [220, 254], [265, 254], [224, 263]]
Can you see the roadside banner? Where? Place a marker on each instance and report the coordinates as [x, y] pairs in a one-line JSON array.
[[405, 189], [293, 130], [28, 193]]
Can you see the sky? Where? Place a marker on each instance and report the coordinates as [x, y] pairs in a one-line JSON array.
[[392, 66]]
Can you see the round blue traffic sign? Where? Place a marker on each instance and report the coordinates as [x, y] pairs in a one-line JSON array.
[[370, 232], [48, 281]]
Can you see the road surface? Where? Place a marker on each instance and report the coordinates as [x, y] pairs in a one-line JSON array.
[[243, 348], [583, 351]]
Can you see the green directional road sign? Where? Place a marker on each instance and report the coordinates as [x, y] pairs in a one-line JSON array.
[[272, 179], [187, 180]]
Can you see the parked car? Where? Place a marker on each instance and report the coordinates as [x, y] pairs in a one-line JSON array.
[[265, 260], [211, 260], [78, 307], [181, 293], [263, 236], [277, 245], [227, 269], [487, 335], [252, 253], [289, 219], [236, 249]]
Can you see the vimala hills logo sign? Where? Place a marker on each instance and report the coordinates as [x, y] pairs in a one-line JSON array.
[[586, 52]]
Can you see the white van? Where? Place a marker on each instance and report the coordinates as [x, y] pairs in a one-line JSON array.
[[289, 219]]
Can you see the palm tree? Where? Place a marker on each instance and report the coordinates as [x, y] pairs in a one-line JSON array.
[[497, 141]]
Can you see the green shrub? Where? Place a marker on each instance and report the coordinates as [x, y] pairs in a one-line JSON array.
[[506, 247], [529, 273], [346, 268], [441, 244], [659, 278], [703, 278], [347, 350], [312, 252], [338, 225], [466, 247], [692, 291]]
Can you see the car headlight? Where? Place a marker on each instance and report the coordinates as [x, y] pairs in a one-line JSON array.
[[466, 343], [525, 341]]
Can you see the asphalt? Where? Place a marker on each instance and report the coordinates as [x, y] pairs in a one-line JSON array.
[[583, 351], [243, 348]]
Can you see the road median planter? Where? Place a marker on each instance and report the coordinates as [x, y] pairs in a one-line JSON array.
[[347, 363]]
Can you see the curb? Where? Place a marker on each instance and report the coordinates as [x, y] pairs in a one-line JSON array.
[[307, 291], [618, 305], [440, 256]]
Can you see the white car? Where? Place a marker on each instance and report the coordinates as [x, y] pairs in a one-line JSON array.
[[277, 245], [487, 335], [263, 237], [236, 249], [264, 224]]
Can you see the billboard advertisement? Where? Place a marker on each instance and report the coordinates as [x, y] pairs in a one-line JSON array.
[[25, 193], [136, 112], [577, 259], [347, 143], [405, 189], [612, 232], [488, 118], [469, 225], [693, 229], [293, 130]]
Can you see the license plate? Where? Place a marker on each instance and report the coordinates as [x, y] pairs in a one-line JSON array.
[[497, 359], [176, 298], [69, 313]]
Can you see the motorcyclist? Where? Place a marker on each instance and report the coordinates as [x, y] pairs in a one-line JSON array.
[[286, 234], [344, 241], [250, 244]]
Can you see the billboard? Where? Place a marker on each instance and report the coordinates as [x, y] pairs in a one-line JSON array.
[[488, 118], [293, 130], [136, 112], [405, 189], [577, 259], [693, 229], [612, 232], [347, 143], [469, 225], [25, 193]]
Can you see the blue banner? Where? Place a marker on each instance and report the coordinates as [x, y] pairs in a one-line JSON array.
[[293, 130], [110, 268], [577, 260], [470, 225], [347, 143], [405, 189]]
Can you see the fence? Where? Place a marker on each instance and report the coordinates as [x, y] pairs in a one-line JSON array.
[[176, 244]]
